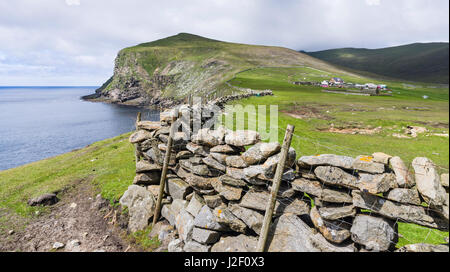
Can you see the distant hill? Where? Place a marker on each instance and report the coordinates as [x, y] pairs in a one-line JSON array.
[[169, 69], [420, 62]]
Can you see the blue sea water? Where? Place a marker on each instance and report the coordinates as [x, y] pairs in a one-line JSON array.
[[41, 122]]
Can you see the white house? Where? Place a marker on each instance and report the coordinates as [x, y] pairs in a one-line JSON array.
[[371, 86]]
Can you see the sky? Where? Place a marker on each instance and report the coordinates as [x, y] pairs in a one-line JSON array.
[[74, 42]]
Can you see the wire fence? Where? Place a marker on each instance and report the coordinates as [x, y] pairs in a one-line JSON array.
[[342, 224]]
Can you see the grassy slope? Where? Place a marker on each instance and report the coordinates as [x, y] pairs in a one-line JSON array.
[[415, 62], [200, 64], [114, 172], [109, 164], [405, 107], [389, 112]]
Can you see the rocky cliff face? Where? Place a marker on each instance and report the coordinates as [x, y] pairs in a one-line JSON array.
[[166, 71], [167, 85], [131, 84]]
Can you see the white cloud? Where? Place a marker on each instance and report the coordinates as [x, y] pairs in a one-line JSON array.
[[23, 68], [81, 43], [73, 2], [373, 2]]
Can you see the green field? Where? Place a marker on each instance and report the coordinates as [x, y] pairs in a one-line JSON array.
[[113, 162], [391, 113], [110, 166]]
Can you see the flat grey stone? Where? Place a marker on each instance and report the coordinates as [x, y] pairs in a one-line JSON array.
[[376, 184], [228, 192], [242, 137], [211, 162], [148, 178], [376, 234], [403, 177], [236, 162], [195, 204], [207, 220], [176, 246], [260, 152], [178, 188], [184, 224], [334, 231], [404, 212], [141, 205], [251, 218], [241, 243], [366, 164], [336, 176], [205, 236], [290, 234], [403, 195], [213, 201], [326, 160], [424, 248], [337, 212]]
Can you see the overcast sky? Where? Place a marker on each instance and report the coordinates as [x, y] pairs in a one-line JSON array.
[[74, 42]]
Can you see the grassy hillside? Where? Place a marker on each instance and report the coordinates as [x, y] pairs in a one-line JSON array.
[[109, 164], [314, 112], [419, 62], [185, 63]]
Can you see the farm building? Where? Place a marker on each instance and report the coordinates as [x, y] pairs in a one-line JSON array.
[[324, 84], [336, 81], [371, 86]]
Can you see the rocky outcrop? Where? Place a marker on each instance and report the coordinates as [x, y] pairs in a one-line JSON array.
[[43, 200], [150, 77]]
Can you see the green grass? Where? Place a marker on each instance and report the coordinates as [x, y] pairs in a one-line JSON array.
[[143, 239], [413, 234], [199, 65], [391, 113], [109, 164]]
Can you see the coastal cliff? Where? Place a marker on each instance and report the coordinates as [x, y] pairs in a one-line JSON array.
[[165, 72]]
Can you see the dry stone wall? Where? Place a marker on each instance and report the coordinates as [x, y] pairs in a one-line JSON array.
[[217, 191]]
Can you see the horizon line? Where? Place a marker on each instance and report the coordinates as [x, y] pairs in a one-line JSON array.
[[48, 86]]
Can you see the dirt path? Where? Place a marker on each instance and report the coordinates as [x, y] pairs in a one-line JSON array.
[[77, 220]]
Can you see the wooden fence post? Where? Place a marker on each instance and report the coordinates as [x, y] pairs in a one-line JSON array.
[[275, 187], [162, 182], [136, 151]]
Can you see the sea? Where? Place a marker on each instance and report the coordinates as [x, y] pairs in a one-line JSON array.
[[42, 122]]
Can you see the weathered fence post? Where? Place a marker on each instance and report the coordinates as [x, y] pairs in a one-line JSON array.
[[190, 100], [162, 182], [275, 187], [136, 151]]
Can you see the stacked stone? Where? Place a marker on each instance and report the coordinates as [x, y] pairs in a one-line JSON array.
[[217, 191], [362, 198], [221, 101], [220, 190]]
